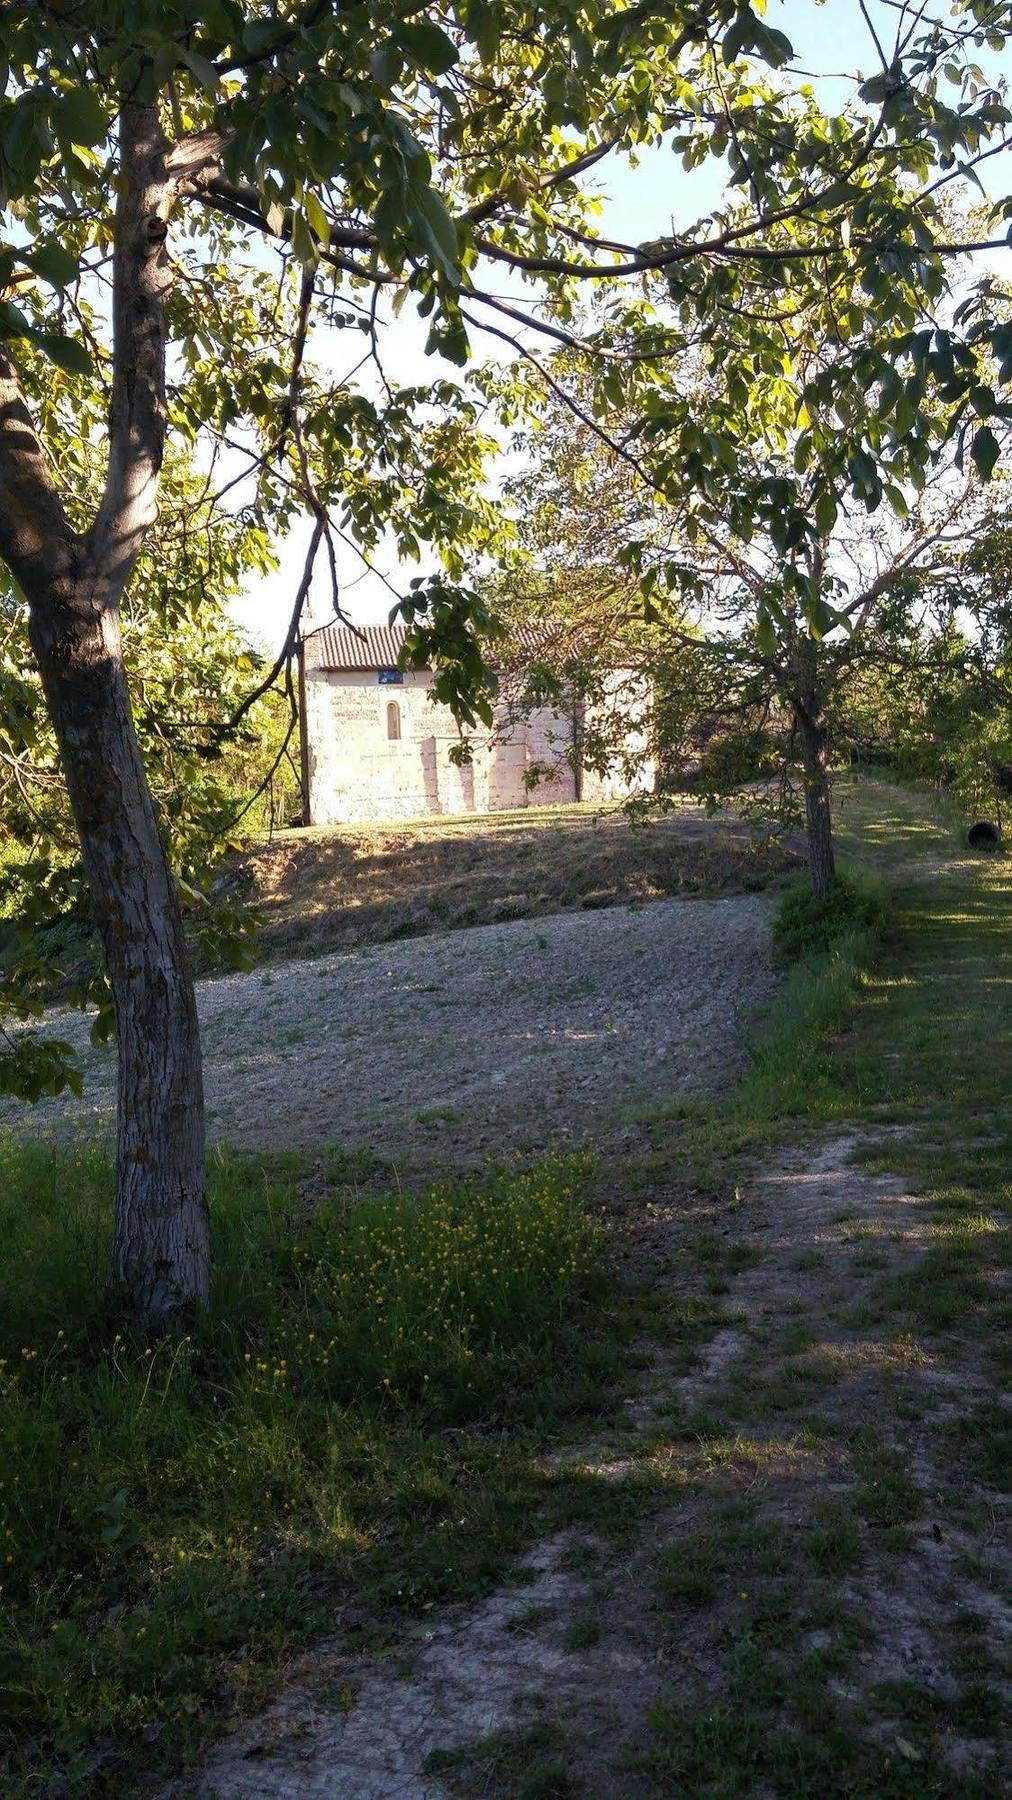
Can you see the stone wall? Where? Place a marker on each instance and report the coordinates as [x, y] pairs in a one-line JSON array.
[[624, 710], [359, 773]]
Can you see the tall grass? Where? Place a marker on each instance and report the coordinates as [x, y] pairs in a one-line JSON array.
[[174, 1513]]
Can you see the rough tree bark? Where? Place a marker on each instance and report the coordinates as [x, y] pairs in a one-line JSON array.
[[73, 583], [818, 812], [160, 1237]]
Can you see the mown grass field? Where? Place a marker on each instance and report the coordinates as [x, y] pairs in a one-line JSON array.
[[867, 1654], [746, 1397]]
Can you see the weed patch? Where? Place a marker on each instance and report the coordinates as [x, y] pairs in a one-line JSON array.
[[174, 1516], [526, 1764], [805, 925]]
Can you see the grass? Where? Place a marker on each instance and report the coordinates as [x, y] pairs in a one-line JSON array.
[[804, 925], [692, 1570], [325, 889], [903, 1020], [355, 1433], [175, 1517], [899, 1035], [528, 1763]]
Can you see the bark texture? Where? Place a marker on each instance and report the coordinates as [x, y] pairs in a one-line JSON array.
[[818, 811], [160, 1239], [73, 583]]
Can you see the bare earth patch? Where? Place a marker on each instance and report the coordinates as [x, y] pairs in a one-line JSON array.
[[458, 1047]]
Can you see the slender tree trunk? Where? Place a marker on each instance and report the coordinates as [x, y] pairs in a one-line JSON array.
[[818, 813], [73, 583], [160, 1243]]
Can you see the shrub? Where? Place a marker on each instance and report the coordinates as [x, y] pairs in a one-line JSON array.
[[805, 925]]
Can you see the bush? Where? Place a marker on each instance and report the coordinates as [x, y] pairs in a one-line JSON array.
[[806, 926]]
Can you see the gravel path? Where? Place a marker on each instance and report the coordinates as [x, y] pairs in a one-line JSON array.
[[500, 1038]]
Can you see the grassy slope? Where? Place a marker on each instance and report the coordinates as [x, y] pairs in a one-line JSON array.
[[176, 1530], [918, 1067], [321, 890]]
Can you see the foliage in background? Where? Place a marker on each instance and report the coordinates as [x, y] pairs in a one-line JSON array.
[[949, 714], [191, 670], [911, 650]]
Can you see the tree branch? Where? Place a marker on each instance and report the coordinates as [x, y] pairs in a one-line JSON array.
[[286, 652], [142, 279], [37, 540]]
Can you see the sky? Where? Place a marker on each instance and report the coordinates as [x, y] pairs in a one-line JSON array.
[[642, 203]]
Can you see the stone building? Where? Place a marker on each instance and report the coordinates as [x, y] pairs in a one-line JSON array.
[[376, 745]]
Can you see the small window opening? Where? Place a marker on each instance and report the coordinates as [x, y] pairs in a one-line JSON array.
[[393, 721]]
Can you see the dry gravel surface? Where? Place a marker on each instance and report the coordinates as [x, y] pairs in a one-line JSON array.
[[452, 1047]]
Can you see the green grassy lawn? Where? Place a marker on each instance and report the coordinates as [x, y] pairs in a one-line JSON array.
[[356, 1433], [909, 1052]]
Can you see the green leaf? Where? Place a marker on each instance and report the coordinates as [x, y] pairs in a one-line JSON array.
[[740, 33], [303, 242], [765, 634], [772, 46], [317, 218], [199, 66], [385, 65], [66, 352], [427, 46], [55, 264], [449, 340], [825, 513], [437, 229], [13, 323], [79, 117], [985, 451], [259, 34]]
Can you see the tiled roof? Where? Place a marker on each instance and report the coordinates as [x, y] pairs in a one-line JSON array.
[[342, 647], [365, 647]]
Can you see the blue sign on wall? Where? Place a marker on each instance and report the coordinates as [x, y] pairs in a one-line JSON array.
[[391, 678]]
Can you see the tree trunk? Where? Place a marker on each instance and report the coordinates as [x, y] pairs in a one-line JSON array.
[[160, 1241], [73, 583], [818, 815]]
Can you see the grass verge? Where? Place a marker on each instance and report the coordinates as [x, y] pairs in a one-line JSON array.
[[903, 1052], [356, 1413]]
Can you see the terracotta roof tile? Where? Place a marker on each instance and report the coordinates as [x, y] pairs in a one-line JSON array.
[[364, 647], [346, 647]]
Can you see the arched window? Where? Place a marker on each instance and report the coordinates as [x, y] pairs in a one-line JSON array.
[[393, 721]]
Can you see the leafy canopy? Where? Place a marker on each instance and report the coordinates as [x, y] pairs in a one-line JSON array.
[[326, 164]]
